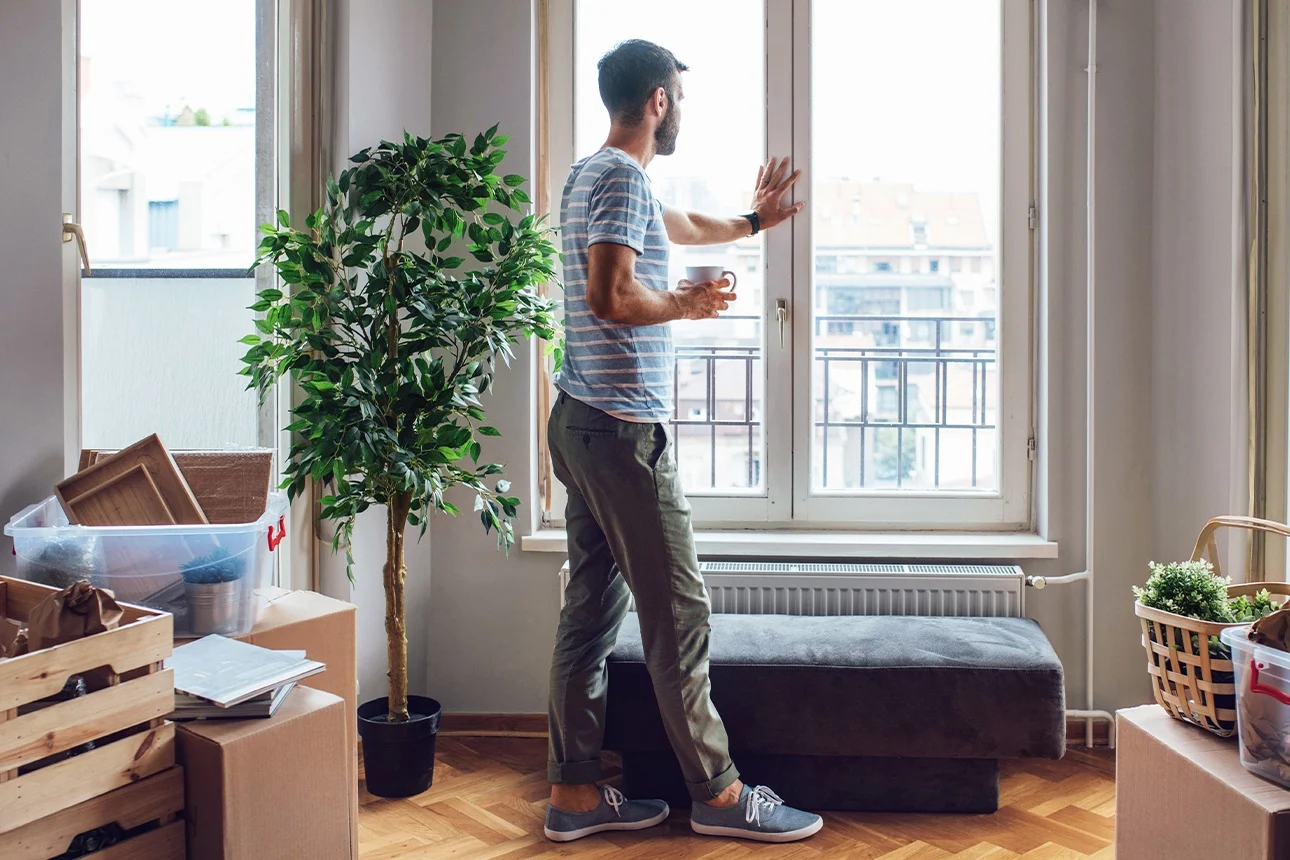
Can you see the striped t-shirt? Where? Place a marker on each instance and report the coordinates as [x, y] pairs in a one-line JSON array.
[[626, 371]]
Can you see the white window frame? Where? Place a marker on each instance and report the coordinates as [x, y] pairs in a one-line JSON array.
[[789, 501]]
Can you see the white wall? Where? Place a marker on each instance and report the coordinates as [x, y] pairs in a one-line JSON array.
[[32, 256], [492, 618], [1198, 337], [1123, 494], [383, 86]]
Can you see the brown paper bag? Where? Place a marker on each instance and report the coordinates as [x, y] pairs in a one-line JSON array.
[[73, 613], [1273, 630], [13, 639]]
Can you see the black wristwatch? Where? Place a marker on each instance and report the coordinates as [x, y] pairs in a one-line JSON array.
[[755, 222]]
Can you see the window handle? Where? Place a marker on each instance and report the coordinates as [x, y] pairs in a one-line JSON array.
[[781, 316], [72, 229]]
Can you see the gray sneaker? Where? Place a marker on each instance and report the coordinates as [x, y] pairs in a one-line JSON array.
[[760, 815], [615, 812]]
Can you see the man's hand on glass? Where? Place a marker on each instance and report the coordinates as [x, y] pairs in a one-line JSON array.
[[773, 182]]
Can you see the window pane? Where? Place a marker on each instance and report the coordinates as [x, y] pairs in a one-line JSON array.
[[168, 133], [720, 371], [160, 355], [168, 181], [905, 148]]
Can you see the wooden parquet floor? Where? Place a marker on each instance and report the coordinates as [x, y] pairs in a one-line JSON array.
[[489, 799]]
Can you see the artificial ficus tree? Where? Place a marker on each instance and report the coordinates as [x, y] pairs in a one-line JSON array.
[[392, 340]]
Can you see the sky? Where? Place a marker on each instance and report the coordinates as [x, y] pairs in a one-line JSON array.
[[902, 90], [173, 53]]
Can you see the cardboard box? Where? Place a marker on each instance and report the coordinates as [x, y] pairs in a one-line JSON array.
[[269, 788], [1182, 794], [326, 630]]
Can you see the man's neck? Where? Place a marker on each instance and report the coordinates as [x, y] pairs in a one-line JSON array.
[[636, 142]]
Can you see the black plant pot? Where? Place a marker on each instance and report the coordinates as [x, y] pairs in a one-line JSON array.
[[398, 758]]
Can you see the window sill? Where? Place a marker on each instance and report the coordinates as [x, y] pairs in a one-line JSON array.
[[844, 545]]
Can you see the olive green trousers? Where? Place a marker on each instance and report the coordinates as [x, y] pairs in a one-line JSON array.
[[630, 534]]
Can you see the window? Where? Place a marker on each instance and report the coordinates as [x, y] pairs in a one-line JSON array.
[[870, 406], [171, 114]]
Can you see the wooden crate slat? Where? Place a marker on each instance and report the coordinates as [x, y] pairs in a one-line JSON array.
[[34, 795], [18, 598], [69, 724], [151, 799], [43, 673], [167, 843]]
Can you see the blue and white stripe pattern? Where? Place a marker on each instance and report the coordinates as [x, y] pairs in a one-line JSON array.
[[626, 371]]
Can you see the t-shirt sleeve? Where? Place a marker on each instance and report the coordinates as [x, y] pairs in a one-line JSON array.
[[619, 209]]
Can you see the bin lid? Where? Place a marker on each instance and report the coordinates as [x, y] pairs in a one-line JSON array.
[[1238, 638]]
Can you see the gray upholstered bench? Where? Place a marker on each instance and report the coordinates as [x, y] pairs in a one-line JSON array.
[[856, 712]]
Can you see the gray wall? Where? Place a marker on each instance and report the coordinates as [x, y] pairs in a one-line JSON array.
[[1168, 333], [492, 619], [32, 255], [383, 86]]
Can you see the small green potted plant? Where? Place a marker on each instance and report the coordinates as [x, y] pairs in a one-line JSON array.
[[1184, 607], [393, 340], [214, 592]]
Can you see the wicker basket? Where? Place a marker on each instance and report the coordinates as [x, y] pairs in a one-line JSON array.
[[1189, 683]]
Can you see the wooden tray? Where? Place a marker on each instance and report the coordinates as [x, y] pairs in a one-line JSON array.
[[123, 714], [130, 498], [102, 494], [231, 487]]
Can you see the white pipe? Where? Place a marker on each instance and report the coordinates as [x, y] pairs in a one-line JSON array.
[[1041, 582], [1091, 367], [1088, 714]]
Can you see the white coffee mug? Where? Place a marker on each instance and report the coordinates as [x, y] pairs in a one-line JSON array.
[[699, 274]]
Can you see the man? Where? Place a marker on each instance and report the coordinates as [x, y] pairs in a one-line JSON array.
[[627, 519]]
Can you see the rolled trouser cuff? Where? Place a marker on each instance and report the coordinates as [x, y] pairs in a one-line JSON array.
[[574, 772], [712, 788]]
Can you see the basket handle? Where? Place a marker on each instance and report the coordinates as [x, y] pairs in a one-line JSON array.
[[1207, 545], [1256, 687]]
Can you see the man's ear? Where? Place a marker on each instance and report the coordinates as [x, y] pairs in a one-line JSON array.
[[658, 102]]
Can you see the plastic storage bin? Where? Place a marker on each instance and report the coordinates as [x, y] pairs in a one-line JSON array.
[[209, 577], [1262, 705]]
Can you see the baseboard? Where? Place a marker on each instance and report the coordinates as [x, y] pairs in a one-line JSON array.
[[1075, 733], [493, 725], [535, 726]]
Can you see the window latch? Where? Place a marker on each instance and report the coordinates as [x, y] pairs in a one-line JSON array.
[[781, 316], [73, 230]]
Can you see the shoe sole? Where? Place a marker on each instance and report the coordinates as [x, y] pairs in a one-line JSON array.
[[755, 835], [570, 835]]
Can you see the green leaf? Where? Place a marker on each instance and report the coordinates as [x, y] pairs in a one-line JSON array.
[[283, 218], [513, 180], [490, 431], [251, 340]]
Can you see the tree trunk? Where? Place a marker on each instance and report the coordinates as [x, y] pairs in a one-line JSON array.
[[396, 634]]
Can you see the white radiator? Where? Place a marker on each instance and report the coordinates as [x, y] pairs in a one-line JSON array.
[[789, 588]]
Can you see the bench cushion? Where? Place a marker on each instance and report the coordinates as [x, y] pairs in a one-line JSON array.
[[896, 686]]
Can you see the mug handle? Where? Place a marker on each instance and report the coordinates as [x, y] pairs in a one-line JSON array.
[[733, 278]]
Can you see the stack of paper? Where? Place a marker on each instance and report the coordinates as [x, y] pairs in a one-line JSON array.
[[220, 677]]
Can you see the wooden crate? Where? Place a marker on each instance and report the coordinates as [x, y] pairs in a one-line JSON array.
[[157, 801], [124, 714]]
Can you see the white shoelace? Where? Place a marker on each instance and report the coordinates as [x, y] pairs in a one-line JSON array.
[[760, 798], [615, 798]]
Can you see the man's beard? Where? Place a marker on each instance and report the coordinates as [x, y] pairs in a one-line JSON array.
[[667, 131]]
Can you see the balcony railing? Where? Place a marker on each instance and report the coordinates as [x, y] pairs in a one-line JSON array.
[[903, 402]]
